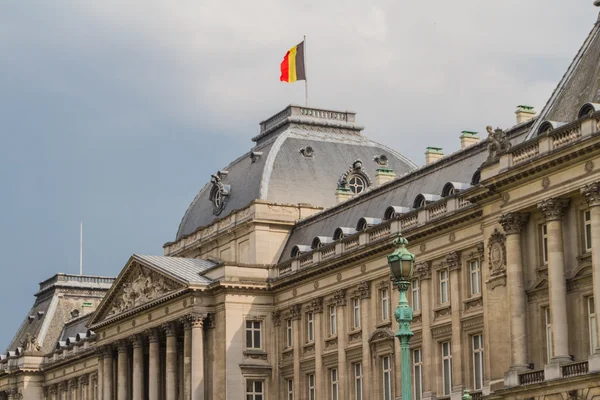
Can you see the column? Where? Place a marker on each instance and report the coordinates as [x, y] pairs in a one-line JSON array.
[[187, 358], [138, 367], [122, 373], [513, 223], [423, 273], [154, 367], [108, 373], [171, 365], [592, 196], [453, 262], [296, 314], [318, 318], [553, 209], [340, 300], [197, 356], [100, 377]]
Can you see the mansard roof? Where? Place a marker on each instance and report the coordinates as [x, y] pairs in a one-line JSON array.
[[579, 85], [299, 156]]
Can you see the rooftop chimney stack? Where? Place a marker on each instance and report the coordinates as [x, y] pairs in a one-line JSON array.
[[432, 154], [525, 113], [468, 138]]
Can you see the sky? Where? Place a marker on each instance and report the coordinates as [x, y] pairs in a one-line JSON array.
[[116, 112]]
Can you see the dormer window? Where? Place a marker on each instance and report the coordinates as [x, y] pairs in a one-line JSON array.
[[357, 184], [354, 179]]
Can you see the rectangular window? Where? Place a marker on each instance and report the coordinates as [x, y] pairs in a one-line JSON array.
[[443, 286], [545, 244], [592, 323], [253, 334], [417, 374], [333, 376], [358, 380], [290, 389], [477, 362], [255, 390], [310, 327], [387, 377], [587, 223], [311, 387], [332, 320], [416, 294], [356, 313], [475, 277], [289, 333], [447, 367], [548, 321], [385, 304]]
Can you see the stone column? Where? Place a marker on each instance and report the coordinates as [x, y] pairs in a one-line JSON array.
[[339, 299], [197, 354], [138, 367], [423, 273], [513, 224], [296, 316], [187, 358], [368, 314], [171, 366], [108, 374], [317, 306], [122, 370], [100, 378], [454, 266], [553, 209], [154, 364], [592, 196]]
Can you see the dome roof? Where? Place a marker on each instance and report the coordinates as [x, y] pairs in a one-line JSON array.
[[299, 157]]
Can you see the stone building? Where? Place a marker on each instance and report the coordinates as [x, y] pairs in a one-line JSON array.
[[277, 284]]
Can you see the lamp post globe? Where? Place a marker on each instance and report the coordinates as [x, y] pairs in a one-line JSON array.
[[401, 263]]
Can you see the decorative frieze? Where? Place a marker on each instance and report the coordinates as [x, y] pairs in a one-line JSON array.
[[442, 330], [338, 298], [513, 223], [591, 193], [552, 209]]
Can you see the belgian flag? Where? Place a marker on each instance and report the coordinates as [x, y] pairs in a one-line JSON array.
[[292, 66]]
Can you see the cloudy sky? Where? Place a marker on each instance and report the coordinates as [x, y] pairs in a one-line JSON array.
[[117, 111]]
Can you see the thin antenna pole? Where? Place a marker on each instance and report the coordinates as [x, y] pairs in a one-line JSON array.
[[81, 248], [305, 74]]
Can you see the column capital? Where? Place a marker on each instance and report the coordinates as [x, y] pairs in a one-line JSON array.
[[295, 312], [513, 222], [339, 298], [591, 192], [136, 340], [73, 383], [84, 379], [104, 351], [153, 335], [552, 209], [316, 305], [196, 319], [122, 346], [170, 328]]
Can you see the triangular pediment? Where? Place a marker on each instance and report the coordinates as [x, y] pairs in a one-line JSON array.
[[137, 285]]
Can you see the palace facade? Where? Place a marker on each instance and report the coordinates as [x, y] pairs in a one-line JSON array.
[[277, 284]]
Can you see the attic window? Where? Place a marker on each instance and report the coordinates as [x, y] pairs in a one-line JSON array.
[[357, 184], [74, 313], [354, 179]]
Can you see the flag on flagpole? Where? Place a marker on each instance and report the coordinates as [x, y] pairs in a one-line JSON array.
[[292, 66]]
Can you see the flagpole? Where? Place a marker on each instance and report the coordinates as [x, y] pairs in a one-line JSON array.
[[81, 248], [305, 75]]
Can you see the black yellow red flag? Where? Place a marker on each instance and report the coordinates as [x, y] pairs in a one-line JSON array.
[[292, 66]]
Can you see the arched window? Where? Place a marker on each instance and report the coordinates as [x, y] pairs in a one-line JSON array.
[[357, 183]]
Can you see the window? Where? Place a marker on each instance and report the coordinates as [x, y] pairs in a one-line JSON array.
[[289, 383], [356, 313], [310, 327], [416, 294], [358, 379], [548, 321], [443, 286], [253, 334], [475, 277], [592, 324], [289, 333], [385, 304], [447, 367], [477, 362], [545, 244], [254, 390], [417, 374], [357, 184], [587, 223], [333, 376], [311, 387], [332, 320], [387, 377]]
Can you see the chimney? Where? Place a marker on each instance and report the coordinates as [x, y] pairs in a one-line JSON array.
[[384, 173], [468, 138], [524, 113], [342, 194], [432, 154]]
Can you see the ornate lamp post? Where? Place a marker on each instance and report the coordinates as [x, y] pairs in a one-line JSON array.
[[401, 263]]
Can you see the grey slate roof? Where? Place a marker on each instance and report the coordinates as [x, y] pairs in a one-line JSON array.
[[579, 85], [185, 269], [33, 326], [71, 329], [283, 175], [430, 179]]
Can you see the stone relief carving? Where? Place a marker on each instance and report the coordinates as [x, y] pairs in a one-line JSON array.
[[453, 260], [30, 343], [591, 193], [497, 143], [339, 298], [497, 252], [363, 290], [144, 286], [219, 194], [423, 270]]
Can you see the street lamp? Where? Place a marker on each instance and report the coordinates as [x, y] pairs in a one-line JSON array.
[[401, 263]]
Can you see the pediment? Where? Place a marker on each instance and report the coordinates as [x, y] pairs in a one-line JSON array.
[[137, 285]]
